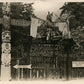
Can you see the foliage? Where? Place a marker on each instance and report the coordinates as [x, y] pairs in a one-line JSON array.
[[19, 10], [75, 9], [76, 24], [1, 10]]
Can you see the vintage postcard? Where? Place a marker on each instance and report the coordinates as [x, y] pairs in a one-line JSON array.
[[42, 40]]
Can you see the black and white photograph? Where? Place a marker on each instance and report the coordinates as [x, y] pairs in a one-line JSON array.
[[41, 40]]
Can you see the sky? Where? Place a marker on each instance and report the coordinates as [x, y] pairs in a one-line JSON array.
[[41, 7]]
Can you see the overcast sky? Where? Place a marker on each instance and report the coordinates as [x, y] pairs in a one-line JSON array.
[[41, 9], [43, 6]]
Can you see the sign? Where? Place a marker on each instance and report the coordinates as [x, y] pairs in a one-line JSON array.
[[17, 22], [22, 66], [20, 22], [77, 63]]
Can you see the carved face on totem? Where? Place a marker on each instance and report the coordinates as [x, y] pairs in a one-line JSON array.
[[6, 48], [6, 59], [6, 36]]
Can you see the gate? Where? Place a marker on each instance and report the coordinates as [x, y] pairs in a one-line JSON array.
[[77, 73], [37, 73]]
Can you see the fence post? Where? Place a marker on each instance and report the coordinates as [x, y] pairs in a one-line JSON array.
[[18, 70]]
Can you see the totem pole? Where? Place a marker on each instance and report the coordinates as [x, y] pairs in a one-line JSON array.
[[6, 45]]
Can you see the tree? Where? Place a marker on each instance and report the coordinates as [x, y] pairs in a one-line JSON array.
[[75, 9], [19, 10]]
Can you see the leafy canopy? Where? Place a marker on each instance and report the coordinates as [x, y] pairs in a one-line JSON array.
[[75, 9], [19, 10]]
